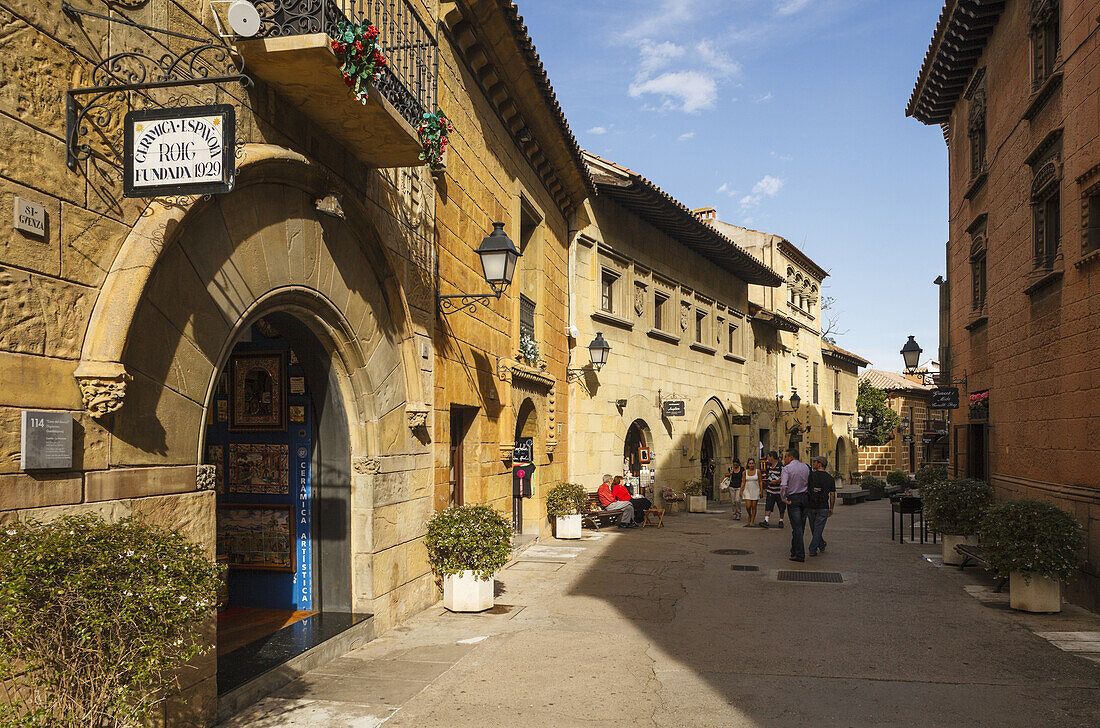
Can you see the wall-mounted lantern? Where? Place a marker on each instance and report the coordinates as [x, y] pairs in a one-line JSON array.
[[597, 352], [498, 264]]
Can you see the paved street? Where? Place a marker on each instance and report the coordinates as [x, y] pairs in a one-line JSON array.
[[651, 627]]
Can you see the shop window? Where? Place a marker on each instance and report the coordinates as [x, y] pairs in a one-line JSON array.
[[1091, 205], [659, 311], [816, 393], [607, 291], [1045, 39]]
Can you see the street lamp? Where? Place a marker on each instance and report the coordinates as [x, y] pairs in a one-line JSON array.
[[795, 402], [911, 354], [597, 352], [498, 256]]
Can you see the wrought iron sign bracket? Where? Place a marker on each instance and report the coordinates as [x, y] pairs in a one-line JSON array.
[[458, 301], [129, 72]]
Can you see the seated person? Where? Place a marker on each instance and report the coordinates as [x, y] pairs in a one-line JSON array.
[[610, 503], [622, 494]]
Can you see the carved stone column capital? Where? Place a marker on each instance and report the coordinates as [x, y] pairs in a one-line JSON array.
[[367, 465], [102, 386], [418, 416]]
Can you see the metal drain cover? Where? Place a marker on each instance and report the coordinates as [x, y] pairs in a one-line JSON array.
[[731, 552], [816, 577], [743, 567], [696, 533]]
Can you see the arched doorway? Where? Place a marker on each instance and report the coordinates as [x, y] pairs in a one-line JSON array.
[[526, 434], [279, 441], [708, 459], [638, 459]]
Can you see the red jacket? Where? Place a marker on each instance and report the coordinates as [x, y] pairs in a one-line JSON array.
[[620, 492], [604, 493]]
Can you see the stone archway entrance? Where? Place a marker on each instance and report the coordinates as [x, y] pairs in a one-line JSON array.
[[526, 437], [708, 459]]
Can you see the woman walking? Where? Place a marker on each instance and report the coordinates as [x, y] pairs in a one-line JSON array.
[[750, 489], [734, 477]]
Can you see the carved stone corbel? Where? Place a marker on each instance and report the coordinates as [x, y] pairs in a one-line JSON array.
[[206, 477], [367, 466], [504, 370], [102, 386], [418, 417]]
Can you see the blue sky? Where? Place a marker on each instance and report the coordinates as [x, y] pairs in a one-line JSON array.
[[785, 115]]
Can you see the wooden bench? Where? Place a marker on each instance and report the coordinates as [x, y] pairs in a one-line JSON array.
[[596, 516], [977, 555], [851, 497]]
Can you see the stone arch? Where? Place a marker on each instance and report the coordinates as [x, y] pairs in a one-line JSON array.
[[712, 416], [527, 420], [102, 373]]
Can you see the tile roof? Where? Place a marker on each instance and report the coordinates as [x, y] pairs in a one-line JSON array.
[[843, 354], [957, 43], [672, 217], [891, 381]]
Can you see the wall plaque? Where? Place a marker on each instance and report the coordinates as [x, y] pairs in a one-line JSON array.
[[187, 151], [29, 217], [740, 419], [673, 408], [46, 440]]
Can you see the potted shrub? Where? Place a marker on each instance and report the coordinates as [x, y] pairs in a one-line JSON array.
[[96, 617], [565, 503], [466, 546], [898, 479], [875, 487], [696, 492], [931, 474], [1037, 546], [954, 509]]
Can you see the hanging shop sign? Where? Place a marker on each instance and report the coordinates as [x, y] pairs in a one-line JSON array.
[[524, 451], [673, 408], [740, 419], [929, 437], [187, 151], [46, 440], [944, 398], [906, 438], [862, 434]]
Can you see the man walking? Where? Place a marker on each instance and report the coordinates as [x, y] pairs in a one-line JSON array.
[[610, 503], [772, 477], [792, 489], [821, 498]]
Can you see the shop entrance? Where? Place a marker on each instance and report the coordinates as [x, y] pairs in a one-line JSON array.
[[637, 460], [708, 454], [526, 432], [277, 436]]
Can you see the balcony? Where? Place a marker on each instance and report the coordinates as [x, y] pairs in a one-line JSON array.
[[291, 53]]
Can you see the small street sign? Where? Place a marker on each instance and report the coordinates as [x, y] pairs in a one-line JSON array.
[[929, 437], [673, 408], [906, 438], [861, 434], [944, 398]]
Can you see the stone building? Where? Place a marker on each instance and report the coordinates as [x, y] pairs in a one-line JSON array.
[[921, 438], [513, 160], [267, 368], [1013, 85], [689, 381], [822, 374]]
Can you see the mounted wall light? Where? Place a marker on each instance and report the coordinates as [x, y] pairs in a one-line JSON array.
[[597, 352], [498, 264], [795, 402], [911, 354]]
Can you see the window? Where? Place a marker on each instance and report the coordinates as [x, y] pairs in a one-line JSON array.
[[975, 95], [977, 271], [1091, 207], [793, 383], [816, 398], [1046, 208], [659, 302], [836, 389], [526, 317], [734, 339], [700, 325], [607, 291], [1044, 39]]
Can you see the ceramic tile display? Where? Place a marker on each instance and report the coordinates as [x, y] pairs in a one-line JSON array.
[[257, 468], [215, 455], [257, 391], [254, 536]]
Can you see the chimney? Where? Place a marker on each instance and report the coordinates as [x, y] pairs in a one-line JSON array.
[[705, 213]]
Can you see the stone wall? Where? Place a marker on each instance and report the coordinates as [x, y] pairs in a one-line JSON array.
[[1033, 348]]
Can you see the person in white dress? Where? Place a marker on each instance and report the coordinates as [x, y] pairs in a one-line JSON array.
[[750, 489]]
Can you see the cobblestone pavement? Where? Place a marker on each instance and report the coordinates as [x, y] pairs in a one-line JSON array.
[[653, 627]]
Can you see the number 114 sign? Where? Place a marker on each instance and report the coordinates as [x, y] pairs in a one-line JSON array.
[[187, 151]]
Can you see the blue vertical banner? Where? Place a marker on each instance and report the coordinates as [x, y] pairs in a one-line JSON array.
[[303, 516]]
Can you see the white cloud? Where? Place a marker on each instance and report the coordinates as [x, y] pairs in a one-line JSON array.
[[768, 186], [763, 98], [672, 12], [790, 7], [722, 64], [783, 157], [655, 56], [689, 91], [726, 190], [600, 129], [685, 136]]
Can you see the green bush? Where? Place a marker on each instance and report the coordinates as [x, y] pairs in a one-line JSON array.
[[566, 499], [875, 485], [897, 477], [474, 538], [931, 474], [1031, 537], [695, 487], [956, 506], [94, 617]]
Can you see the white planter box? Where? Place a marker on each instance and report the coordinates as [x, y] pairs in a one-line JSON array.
[[1037, 594], [567, 526], [950, 556], [465, 593], [697, 504]]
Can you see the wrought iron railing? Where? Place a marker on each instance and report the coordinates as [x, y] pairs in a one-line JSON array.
[[412, 55]]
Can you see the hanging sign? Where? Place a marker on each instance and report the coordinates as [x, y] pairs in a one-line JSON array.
[[740, 419], [187, 151], [906, 438], [524, 451], [673, 408], [944, 398]]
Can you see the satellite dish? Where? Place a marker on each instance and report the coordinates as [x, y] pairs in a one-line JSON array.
[[243, 18]]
